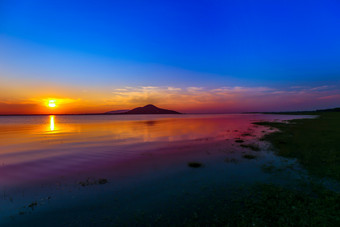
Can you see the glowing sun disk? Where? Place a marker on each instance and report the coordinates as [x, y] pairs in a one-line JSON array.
[[51, 103]]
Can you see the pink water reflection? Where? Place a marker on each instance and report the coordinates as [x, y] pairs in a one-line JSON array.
[[45, 147]]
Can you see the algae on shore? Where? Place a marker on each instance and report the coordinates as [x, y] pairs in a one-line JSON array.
[[313, 142]]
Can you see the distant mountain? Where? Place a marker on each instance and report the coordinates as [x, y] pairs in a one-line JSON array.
[[150, 109], [117, 112]]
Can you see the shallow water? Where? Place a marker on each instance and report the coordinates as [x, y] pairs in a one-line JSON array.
[[144, 158]]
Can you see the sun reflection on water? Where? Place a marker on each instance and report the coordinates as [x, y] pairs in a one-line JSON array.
[[55, 125], [52, 123]]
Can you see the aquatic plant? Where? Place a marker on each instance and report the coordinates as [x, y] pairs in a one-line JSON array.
[[249, 156], [32, 205], [195, 164]]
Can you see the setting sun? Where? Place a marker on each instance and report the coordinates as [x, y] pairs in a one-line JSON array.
[[51, 103]]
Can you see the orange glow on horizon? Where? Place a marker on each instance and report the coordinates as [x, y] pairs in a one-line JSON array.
[[186, 100]]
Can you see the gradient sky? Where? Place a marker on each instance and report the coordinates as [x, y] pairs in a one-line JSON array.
[[191, 56]]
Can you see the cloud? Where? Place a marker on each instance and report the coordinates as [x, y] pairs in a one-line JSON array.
[[174, 89], [194, 89], [186, 99], [325, 87], [233, 97], [329, 97], [18, 108]]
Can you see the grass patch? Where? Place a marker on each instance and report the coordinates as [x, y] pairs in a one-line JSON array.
[[269, 205], [315, 143], [258, 205], [195, 164]]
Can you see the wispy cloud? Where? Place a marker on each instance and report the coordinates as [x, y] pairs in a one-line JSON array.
[[174, 89], [185, 99], [225, 98], [329, 97]]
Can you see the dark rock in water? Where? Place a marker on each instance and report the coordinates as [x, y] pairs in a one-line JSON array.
[[93, 182], [195, 164], [102, 181], [246, 134], [231, 160], [32, 205], [151, 109], [239, 141]]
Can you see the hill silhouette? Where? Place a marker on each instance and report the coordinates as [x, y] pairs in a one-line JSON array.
[[150, 109], [117, 112]]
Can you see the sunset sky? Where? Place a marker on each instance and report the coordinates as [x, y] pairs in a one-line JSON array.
[[190, 56]]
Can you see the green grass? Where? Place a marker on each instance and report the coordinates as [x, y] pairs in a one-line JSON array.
[[315, 143], [269, 205], [259, 205]]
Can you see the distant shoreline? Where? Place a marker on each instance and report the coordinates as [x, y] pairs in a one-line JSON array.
[[86, 114], [299, 112], [310, 112], [114, 114]]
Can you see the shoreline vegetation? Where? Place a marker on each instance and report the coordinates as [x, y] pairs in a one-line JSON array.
[[315, 144]]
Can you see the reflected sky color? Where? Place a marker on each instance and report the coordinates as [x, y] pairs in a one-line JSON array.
[[193, 56], [58, 162], [43, 147]]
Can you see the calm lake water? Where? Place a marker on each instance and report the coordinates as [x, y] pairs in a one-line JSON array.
[[51, 166]]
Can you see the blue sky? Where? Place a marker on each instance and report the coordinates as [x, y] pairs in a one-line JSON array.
[[171, 43]]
